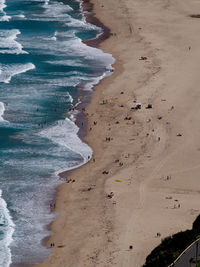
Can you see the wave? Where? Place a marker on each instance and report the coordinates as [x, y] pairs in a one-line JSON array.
[[83, 25], [65, 133], [53, 12], [8, 71], [7, 228], [21, 16], [54, 38], [70, 97], [78, 48], [8, 43], [46, 2], [67, 62], [2, 5], [3, 16], [2, 109], [89, 85]]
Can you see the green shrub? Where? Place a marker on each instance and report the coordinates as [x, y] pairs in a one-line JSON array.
[[171, 247]]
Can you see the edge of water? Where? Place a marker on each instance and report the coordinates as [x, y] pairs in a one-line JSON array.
[[84, 95]]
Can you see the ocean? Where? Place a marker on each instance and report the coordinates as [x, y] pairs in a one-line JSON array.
[[44, 69]]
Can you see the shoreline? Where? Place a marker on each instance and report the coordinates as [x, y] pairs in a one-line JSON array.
[[86, 96], [81, 118], [143, 147]]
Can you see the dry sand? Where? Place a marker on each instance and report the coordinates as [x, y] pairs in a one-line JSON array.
[[94, 230]]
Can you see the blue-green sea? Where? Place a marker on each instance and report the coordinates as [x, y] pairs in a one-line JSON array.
[[44, 68]]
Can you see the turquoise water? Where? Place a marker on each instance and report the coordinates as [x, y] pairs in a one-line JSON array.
[[43, 65]]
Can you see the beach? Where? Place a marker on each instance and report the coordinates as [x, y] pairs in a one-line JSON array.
[[147, 157]]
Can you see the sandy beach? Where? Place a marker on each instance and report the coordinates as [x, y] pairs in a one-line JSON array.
[[155, 152]]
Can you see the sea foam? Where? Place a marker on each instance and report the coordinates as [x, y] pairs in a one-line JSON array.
[[8, 43], [8, 71], [2, 109], [56, 11], [65, 133], [3, 15], [7, 227]]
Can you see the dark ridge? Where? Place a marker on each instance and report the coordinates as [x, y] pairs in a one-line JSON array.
[[196, 16]]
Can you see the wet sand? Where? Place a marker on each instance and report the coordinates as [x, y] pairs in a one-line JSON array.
[[154, 152]]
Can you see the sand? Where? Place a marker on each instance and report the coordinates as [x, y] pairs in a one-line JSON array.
[[158, 148]]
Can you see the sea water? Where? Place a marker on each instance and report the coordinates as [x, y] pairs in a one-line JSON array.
[[44, 65]]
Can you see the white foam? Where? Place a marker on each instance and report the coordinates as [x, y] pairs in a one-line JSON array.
[[90, 84], [8, 71], [98, 52], [53, 11], [21, 16], [64, 133], [54, 38], [73, 115], [7, 226], [46, 2], [4, 17], [8, 43], [2, 109], [67, 62], [57, 9], [2, 5], [82, 24], [79, 50], [70, 97], [77, 47]]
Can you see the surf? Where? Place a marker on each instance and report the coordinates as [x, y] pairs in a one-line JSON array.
[[7, 227]]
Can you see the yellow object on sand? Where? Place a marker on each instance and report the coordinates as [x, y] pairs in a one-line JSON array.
[[118, 180]]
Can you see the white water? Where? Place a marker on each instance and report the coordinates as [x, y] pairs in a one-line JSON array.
[[4, 17], [8, 43], [7, 227], [7, 72], [2, 109], [53, 12], [65, 133]]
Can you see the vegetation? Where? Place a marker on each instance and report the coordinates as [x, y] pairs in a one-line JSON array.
[[171, 247], [197, 264]]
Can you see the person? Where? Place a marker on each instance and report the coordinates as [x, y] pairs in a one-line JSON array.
[[110, 195]]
